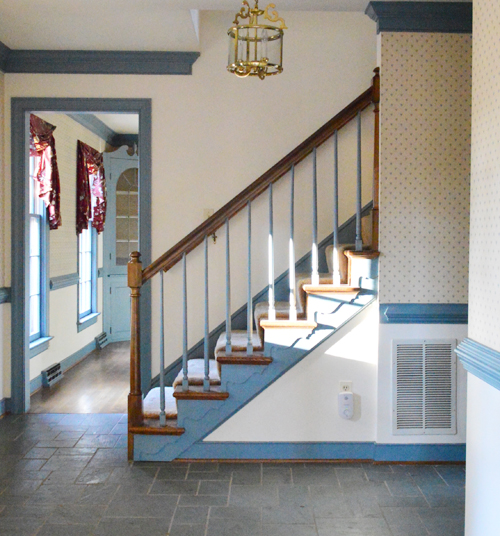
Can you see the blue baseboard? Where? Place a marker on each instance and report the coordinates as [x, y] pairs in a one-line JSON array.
[[4, 406], [424, 313], [481, 361], [73, 359], [369, 451]]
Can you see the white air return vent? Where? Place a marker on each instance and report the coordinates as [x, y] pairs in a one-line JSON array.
[[424, 384]]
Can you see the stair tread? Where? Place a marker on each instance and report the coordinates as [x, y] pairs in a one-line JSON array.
[[196, 373], [152, 427], [238, 341], [151, 404], [243, 358], [196, 392], [312, 289], [296, 324]]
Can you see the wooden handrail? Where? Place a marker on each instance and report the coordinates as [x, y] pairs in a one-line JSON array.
[[212, 224]]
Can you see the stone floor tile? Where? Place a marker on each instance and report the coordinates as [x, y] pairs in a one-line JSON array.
[[443, 521], [22, 487], [315, 475], [98, 494], [276, 475], [172, 473], [38, 511], [76, 451], [204, 467], [195, 475], [56, 494], [132, 526], [190, 515], [107, 441], [57, 443], [289, 530], [142, 506], [404, 488], [63, 436], [119, 429], [67, 462], [240, 513], [350, 474], [352, 527], [293, 496], [265, 495], [174, 487], [292, 515], [66, 530], [330, 506], [77, 514], [187, 530], [93, 476], [202, 500], [11, 526], [63, 476], [40, 453], [233, 527], [214, 487], [404, 521]]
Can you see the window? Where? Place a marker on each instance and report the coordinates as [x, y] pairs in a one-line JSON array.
[[38, 238], [87, 267], [127, 215]]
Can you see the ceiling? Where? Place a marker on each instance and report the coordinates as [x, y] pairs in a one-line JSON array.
[[125, 24], [120, 123]]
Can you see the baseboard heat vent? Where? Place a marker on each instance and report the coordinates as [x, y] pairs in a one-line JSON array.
[[52, 375], [102, 340]]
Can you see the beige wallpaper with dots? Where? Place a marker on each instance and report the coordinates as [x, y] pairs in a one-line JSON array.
[[484, 312], [425, 167]]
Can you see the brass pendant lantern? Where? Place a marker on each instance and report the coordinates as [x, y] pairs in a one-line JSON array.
[[256, 49]]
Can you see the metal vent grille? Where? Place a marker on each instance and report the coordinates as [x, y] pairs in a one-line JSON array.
[[52, 375], [424, 387], [102, 340]]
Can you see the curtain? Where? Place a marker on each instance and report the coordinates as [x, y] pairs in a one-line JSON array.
[[90, 188], [43, 145]]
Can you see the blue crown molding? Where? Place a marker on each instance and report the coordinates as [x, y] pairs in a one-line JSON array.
[[4, 54], [5, 295], [435, 17], [424, 313], [96, 61], [63, 281], [481, 361]]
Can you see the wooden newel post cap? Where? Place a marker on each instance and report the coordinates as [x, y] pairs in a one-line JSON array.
[[376, 85], [134, 270]]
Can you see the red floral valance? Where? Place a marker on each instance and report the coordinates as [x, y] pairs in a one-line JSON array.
[[90, 188], [43, 145]]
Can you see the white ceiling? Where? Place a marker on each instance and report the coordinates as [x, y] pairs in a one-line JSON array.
[[121, 123], [125, 24]]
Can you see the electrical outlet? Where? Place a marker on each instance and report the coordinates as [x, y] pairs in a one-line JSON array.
[[346, 387]]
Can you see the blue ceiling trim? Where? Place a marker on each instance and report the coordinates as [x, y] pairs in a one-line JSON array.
[[424, 313], [95, 125], [481, 361], [96, 61], [436, 17]]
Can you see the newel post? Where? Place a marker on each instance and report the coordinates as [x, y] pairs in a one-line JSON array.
[[135, 415], [376, 159]]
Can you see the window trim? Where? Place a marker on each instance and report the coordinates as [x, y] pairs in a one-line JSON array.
[[89, 317], [41, 343]]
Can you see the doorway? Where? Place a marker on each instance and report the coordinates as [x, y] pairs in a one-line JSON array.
[[21, 109]]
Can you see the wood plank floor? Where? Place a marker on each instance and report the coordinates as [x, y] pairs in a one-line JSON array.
[[99, 384]]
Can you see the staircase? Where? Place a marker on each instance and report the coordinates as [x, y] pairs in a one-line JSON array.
[[171, 421]]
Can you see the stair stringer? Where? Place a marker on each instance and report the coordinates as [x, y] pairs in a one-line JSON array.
[[244, 382]]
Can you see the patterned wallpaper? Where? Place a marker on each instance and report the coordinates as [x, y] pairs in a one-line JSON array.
[[484, 288], [2, 186], [425, 167]]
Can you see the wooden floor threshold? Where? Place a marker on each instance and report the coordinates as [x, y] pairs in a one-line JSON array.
[[197, 393], [243, 358]]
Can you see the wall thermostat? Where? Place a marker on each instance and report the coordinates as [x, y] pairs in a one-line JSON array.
[[346, 405]]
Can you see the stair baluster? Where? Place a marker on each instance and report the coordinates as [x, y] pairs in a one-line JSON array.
[[229, 347], [163, 420], [335, 258], [270, 253], [314, 250], [185, 381], [359, 241], [206, 379], [291, 251], [249, 288]]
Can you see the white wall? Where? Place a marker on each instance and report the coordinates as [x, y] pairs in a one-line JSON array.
[[304, 401], [482, 517], [390, 332], [213, 134]]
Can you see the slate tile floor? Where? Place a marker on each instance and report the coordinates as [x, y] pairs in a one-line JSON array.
[[68, 475]]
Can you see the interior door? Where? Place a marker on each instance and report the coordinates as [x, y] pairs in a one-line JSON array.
[[120, 239]]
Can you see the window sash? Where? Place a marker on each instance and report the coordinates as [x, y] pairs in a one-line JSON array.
[[87, 272]]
